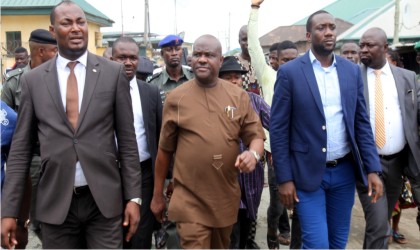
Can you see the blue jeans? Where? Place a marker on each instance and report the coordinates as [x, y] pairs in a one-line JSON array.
[[325, 214]]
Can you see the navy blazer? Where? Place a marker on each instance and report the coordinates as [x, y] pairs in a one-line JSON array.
[[297, 127]]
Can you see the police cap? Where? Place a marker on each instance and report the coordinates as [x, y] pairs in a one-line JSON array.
[[171, 40], [42, 36]]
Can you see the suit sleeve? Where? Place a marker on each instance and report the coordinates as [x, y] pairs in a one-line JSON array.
[[127, 145], [281, 111], [363, 132], [20, 155]]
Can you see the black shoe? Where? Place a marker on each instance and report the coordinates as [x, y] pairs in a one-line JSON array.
[[251, 244]]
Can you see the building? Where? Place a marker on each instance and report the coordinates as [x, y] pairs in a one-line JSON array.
[[347, 12], [20, 17], [408, 29]]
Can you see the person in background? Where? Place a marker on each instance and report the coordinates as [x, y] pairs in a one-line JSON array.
[[147, 111], [21, 57], [321, 138], [350, 51], [203, 120], [277, 218], [144, 68], [107, 53], [251, 183], [273, 59], [174, 73]]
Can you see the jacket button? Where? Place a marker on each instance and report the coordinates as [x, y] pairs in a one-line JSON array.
[[75, 141], [323, 127], [324, 150]]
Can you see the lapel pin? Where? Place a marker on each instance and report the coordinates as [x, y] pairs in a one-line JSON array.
[[94, 70]]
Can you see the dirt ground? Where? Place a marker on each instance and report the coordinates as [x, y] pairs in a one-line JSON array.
[[408, 227]]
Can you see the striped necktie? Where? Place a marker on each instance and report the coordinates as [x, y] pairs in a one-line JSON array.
[[380, 138]]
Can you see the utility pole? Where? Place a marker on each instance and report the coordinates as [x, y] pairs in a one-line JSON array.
[[396, 23], [122, 19], [146, 24], [176, 28]]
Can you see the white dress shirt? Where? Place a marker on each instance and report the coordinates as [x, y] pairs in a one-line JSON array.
[[394, 131], [329, 88], [63, 73], [139, 121]]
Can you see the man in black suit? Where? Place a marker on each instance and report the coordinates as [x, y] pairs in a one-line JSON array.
[[79, 105], [147, 110]]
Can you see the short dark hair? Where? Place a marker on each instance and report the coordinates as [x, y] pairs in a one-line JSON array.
[[21, 50], [273, 47], [286, 44], [309, 22], [122, 39], [52, 14]]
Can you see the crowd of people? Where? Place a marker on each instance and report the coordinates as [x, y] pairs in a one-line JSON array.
[[106, 154]]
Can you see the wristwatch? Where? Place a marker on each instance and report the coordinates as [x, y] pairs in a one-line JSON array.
[[256, 155], [136, 200]]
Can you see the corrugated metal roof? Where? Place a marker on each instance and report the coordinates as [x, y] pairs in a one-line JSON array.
[[352, 11], [384, 18], [43, 7]]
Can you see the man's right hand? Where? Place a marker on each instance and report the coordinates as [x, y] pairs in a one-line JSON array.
[[158, 206], [256, 2], [8, 233], [288, 195]]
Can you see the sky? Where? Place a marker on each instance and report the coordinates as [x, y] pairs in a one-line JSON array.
[[221, 18]]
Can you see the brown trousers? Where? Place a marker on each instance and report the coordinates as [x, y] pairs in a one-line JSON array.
[[193, 236]]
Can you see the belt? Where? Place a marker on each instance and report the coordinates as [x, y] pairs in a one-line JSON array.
[[334, 163], [80, 190], [389, 157]]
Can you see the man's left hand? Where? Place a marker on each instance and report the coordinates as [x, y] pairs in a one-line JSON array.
[[375, 186], [246, 162], [131, 218]]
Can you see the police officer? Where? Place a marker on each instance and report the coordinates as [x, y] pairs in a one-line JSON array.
[[42, 47], [174, 73]]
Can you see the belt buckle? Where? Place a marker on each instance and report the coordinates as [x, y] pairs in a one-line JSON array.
[[75, 190], [333, 163]]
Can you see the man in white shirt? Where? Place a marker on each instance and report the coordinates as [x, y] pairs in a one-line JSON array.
[[391, 95], [147, 111]]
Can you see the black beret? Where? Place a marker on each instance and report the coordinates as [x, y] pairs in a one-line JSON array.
[[42, 36], [145, 66]]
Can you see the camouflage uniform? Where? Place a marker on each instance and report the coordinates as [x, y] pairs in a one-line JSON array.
[[166, 84]]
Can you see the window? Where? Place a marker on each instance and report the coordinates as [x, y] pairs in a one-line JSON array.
[[13, 41]]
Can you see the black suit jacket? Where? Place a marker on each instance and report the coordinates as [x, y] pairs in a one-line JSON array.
[[151, 105]]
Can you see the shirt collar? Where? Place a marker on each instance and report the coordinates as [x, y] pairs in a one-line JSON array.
[[62, 62], [313, 59], [386, 69], [166, 75], [133, 82]]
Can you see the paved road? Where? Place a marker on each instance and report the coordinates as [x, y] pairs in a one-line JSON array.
[[408, 227]]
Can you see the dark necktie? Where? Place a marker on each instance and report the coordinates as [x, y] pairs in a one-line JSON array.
[[72, 97]]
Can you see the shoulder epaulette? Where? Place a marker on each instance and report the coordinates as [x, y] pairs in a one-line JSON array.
[[13, 73], [154, 76]]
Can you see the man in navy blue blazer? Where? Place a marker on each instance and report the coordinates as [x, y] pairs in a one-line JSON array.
[[321, 138]]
